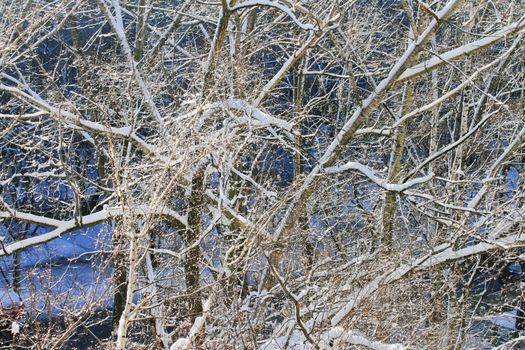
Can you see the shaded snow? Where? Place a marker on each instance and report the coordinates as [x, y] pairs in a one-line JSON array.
[[506, 319], [62, 272]]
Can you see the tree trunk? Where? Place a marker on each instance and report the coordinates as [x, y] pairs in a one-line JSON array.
[[191, 240], [389, 207], [119, 279]]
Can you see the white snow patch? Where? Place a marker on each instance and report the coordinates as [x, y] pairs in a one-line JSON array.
[[181, 344], [506, 319], [15, 328]]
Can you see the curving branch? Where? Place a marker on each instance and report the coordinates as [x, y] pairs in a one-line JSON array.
[[370, 174], [74, 121], [63, 227], [275, 4]]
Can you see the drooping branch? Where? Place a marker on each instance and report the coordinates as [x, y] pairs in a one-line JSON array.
[[74, 121], [377, 180], [275, 4], [63, 227]]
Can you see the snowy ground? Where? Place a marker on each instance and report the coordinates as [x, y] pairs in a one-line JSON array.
[[63, 274]]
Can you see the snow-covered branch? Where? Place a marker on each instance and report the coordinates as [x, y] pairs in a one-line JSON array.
[[449, 147], [255, 116], [440, 59], [25, 116], [232, 214], [28, 217], [62, 227], [229, 150], [74, 121], [352, 338], [468, 81], [370, 174], [312, 39], [118, 27], [440, 254], [509, 150], [275, 4], [347, 132]]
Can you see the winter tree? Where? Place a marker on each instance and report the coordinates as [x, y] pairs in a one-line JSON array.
[[262, 174]]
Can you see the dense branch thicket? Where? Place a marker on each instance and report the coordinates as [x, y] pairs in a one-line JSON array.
[[262, 174]]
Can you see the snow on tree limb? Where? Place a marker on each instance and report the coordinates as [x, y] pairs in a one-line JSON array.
[[118, 27], [457, 89], [267, 186], [354, 122], [28, 217], [440, 59], [260, 118], [63, 115], [62, 227], [357, 339], [511, 148], [369, 173], [277, 5], [441, 254], [312, 39]]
